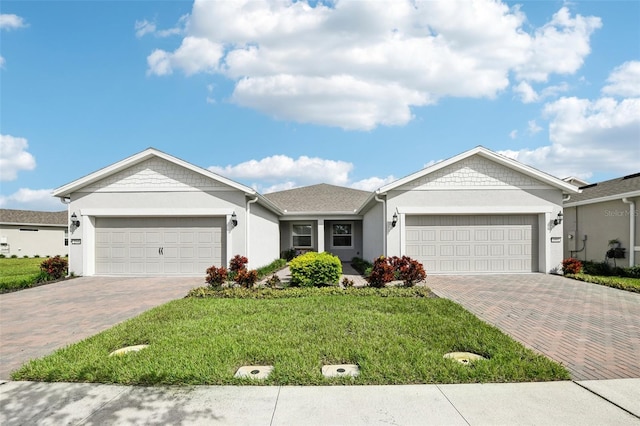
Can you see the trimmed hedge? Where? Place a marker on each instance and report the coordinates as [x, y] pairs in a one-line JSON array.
[[295, 292], [315, 269]]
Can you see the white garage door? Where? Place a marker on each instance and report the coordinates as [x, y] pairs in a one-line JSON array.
[[473, 244], [158, 246]]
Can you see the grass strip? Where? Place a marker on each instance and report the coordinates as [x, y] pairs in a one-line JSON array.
[[204, 340], [622, 283]]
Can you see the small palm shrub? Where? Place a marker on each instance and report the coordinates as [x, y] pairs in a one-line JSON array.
[[315, 269], [571, 266]]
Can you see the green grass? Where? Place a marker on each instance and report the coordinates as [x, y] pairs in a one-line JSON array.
[[203, 340], [18, 273], [622, 283]]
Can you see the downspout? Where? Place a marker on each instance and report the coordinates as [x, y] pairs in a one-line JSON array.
[[384, 223], [632, 231], [246, 227]]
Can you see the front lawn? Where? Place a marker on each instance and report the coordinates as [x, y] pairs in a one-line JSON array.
[[393, 339], [18, 273], [623, 283]]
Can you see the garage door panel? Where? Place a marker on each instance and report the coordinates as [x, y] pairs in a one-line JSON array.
[[467, 244], [158, 246]]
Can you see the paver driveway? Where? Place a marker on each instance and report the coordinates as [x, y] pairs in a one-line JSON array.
[[37, 321], [592, 330]]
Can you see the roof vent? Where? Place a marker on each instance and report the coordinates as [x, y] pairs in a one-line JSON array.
[[635, 175]]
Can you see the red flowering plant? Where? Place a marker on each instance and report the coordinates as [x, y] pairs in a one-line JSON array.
[[238, 263], [571, 266], [55, 267], [216, 276]]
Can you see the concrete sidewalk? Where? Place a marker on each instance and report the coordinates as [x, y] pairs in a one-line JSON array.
[[606, 402]]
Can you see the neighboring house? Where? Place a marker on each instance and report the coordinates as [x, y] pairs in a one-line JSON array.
[[154, 214], [603, 212], [33, 233]]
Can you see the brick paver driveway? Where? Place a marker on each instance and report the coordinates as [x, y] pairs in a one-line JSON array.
[[592, 330], [37, 321]]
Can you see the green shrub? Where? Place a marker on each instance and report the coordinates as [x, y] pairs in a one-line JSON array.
[[315, 269], [274, 266], [14, 256], [361, 265], [571, 266], [56, 267], [296, 292], [216, 276], [288, 255]]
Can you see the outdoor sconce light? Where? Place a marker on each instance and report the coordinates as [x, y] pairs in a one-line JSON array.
[[74, 220], [558, 220], [234, 219], [394, 222]]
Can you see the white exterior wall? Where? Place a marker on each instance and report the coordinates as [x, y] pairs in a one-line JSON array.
[[46, 241], [157, 188], [372, 232], [264, 236], [479, 186]]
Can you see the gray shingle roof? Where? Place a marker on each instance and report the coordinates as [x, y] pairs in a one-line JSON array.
[[319, 198], [608, 188], [30, 217]]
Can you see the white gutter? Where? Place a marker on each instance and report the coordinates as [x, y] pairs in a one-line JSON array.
[[246, 226], [384, 223], [632, 231]]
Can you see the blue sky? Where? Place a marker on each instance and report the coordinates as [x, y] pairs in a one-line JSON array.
[[282, 94]]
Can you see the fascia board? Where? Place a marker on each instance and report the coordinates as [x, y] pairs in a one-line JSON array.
[[603, 199]]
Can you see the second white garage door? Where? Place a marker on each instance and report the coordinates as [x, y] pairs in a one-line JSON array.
[[158, 246], [474, 244]]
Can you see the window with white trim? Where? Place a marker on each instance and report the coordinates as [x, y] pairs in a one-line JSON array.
[[302, 235], [342, 235]]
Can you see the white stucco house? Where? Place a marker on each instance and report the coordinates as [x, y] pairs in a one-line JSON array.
[[154, 214], [28, 233]]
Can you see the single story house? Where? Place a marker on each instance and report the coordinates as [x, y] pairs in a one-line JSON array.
[[33, 233], [601, 214], [154, 214]]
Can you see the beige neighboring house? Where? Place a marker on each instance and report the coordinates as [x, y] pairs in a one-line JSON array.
[[603, 212], [33, 233]]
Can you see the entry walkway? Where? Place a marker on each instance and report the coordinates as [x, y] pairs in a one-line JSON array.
[[593, 330]]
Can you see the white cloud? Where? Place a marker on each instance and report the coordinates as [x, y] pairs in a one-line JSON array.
[[588, 135], [301, 171], [513, 134], [31, 199], [11, 22], [2, 62], [144, 27], [194, 55], [533, 128], [624, 80], [14, 157], [359, 65], [372, 183], [528, 94]]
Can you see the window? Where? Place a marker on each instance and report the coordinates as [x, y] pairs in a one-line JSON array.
[[66, 237], [301, 235], [341, 235]]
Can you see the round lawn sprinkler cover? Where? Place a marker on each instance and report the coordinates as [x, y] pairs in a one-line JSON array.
[[128, 349], [465, 358]]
